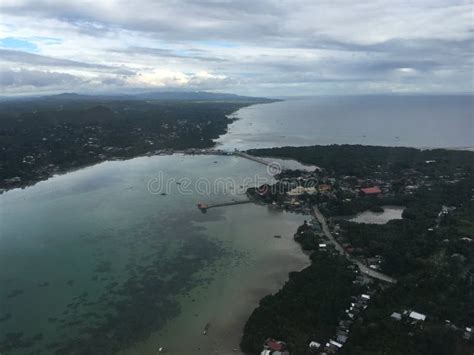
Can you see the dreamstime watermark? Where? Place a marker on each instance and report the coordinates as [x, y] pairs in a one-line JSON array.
[[274, 168], [207, 186]]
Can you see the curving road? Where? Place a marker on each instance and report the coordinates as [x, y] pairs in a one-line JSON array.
[[363, 269]]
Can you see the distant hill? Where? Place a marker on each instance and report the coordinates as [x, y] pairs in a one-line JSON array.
[[153, 95], [196, 96]]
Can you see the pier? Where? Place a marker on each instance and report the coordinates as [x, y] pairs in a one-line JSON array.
[[204, 207]]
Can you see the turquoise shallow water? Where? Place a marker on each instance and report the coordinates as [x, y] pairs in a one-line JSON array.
[[93, 262]]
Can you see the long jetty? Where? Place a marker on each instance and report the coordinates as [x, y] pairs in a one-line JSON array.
[[204, 207]]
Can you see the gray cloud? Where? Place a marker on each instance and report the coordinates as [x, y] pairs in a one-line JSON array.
[[190, 54], [30, 59], [36, 79], [36, 59], [256, 45]]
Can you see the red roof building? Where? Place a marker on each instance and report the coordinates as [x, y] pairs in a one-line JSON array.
[[274, 345], [371, 190]]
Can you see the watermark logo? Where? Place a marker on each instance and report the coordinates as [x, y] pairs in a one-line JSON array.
[[264, 183], [274, 168]]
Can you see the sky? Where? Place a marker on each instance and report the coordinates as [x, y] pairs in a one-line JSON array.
[[250, 47]]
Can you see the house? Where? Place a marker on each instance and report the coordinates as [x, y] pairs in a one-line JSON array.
[[274, 347], [341, 339], [468, 333], [417, 316], [371, 191], [300, 190], [335, 343], [397, 316]]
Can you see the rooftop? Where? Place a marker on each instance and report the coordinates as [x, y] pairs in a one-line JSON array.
[[371, 190]]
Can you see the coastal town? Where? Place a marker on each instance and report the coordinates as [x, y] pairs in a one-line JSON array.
[[320, 192]]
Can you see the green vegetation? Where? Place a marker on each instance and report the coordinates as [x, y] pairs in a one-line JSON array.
[[363, 161], [376, 209], [430, 250], [45, 136], [307, 240], [307, 308], [435, 277], [386, 336]]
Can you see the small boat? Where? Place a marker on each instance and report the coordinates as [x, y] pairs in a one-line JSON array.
[[206, 328]]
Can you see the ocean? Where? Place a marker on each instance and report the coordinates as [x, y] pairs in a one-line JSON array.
[[117, 257], [422, 121]]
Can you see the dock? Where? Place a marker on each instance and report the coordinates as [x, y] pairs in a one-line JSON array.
[[204, 207]]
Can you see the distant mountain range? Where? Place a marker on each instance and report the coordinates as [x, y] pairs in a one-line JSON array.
[[154, 95]]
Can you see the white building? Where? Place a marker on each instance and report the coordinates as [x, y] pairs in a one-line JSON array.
[[417, 316], [396, 316]]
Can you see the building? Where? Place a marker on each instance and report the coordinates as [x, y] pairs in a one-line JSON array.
[[314, 345], [274, 347], [417, 316], [397, 316], [300, 190], [371, 191]]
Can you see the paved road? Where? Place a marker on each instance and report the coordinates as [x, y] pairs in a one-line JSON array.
[[363, 269]]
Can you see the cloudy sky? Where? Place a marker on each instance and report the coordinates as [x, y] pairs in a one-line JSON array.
[[255, 47]]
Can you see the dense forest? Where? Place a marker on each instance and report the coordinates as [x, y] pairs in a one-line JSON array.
[[362, 161], [40, 137]]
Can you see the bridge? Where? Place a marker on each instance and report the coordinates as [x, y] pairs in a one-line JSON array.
[[253, 158]]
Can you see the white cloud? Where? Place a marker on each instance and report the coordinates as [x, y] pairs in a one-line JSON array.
[[406, 71], [169, 78]]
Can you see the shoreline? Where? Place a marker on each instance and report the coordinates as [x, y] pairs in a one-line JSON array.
[[210, 151]]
